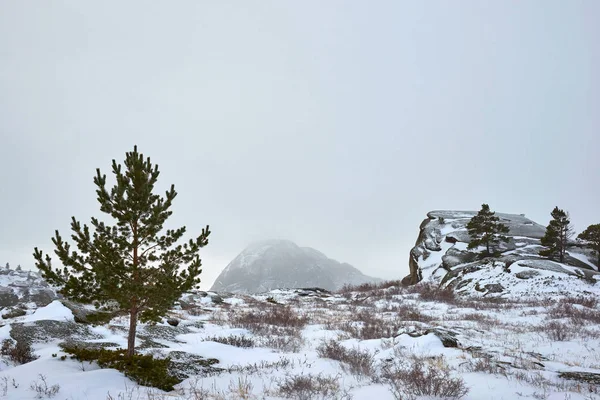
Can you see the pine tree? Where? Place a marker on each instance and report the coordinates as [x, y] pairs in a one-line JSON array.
[[134, 262], [591, 237], [486, 229], [557, 235]]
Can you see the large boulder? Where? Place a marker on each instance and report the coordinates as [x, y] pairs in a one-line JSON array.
[[8, 298], [42, 297], [50, 330]]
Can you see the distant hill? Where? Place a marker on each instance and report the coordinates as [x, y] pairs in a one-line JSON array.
[[274, 264]]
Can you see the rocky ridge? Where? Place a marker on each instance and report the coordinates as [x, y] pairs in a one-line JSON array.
[[441, 255]]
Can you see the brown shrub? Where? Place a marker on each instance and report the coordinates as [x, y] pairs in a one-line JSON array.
[[430, 292], [279, 316], [407, 379], [234, 340], [477, 317], [407, 312], [308, 387], [559, 331], [19, 353], [277, 327], [354, 361], [586, 301], [579, 315], [485, 364], [284, 343], [371, 286], [366, 325]]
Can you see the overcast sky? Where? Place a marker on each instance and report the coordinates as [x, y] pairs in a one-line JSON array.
[[335, 124]]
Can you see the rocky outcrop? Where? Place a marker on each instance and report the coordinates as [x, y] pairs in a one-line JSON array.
[[440, 254], [49, 330], [23, 289], [277, 264]]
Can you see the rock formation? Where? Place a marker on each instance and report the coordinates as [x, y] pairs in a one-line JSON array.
[[440, 254]]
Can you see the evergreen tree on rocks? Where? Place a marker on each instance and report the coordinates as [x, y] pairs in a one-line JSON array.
[[486, 230], [557, 235], [591, 238], [134, 262]]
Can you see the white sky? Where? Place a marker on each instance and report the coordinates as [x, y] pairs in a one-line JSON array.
[[337, 125]]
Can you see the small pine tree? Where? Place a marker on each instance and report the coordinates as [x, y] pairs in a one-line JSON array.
[[591, 237], [486, 229], [7, 266], [134, 262], [557, 235], [18, 268]]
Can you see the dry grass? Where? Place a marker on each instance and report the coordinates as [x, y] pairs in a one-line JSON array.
[[585, 301], [559, 331], [371, 287], [237, 341], [276, 326], [282, 343], [410, 312], [430, 292], [578, 313], [364, 325], [486, 365], [19, 352], [274, 315]]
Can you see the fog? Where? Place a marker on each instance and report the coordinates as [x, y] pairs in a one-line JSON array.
[[337, 125]]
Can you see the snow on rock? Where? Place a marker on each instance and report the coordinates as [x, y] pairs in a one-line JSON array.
[[54, 311], [441, 255], [28, 288]]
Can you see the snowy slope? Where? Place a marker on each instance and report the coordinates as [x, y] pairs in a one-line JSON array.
[[495, 350]]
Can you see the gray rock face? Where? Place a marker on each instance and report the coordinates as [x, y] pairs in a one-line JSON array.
[[277, 264], [441, 254], [24, 288], [48, 330], [518, 224]]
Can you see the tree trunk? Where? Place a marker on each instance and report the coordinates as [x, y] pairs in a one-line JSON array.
[[131, 336], [487, 244], [133, 311], [563, 244], [598, 265]]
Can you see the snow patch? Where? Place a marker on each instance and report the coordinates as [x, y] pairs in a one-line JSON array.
[[54, 311]]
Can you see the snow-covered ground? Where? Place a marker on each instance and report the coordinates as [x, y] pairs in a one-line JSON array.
[[371, 343]]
